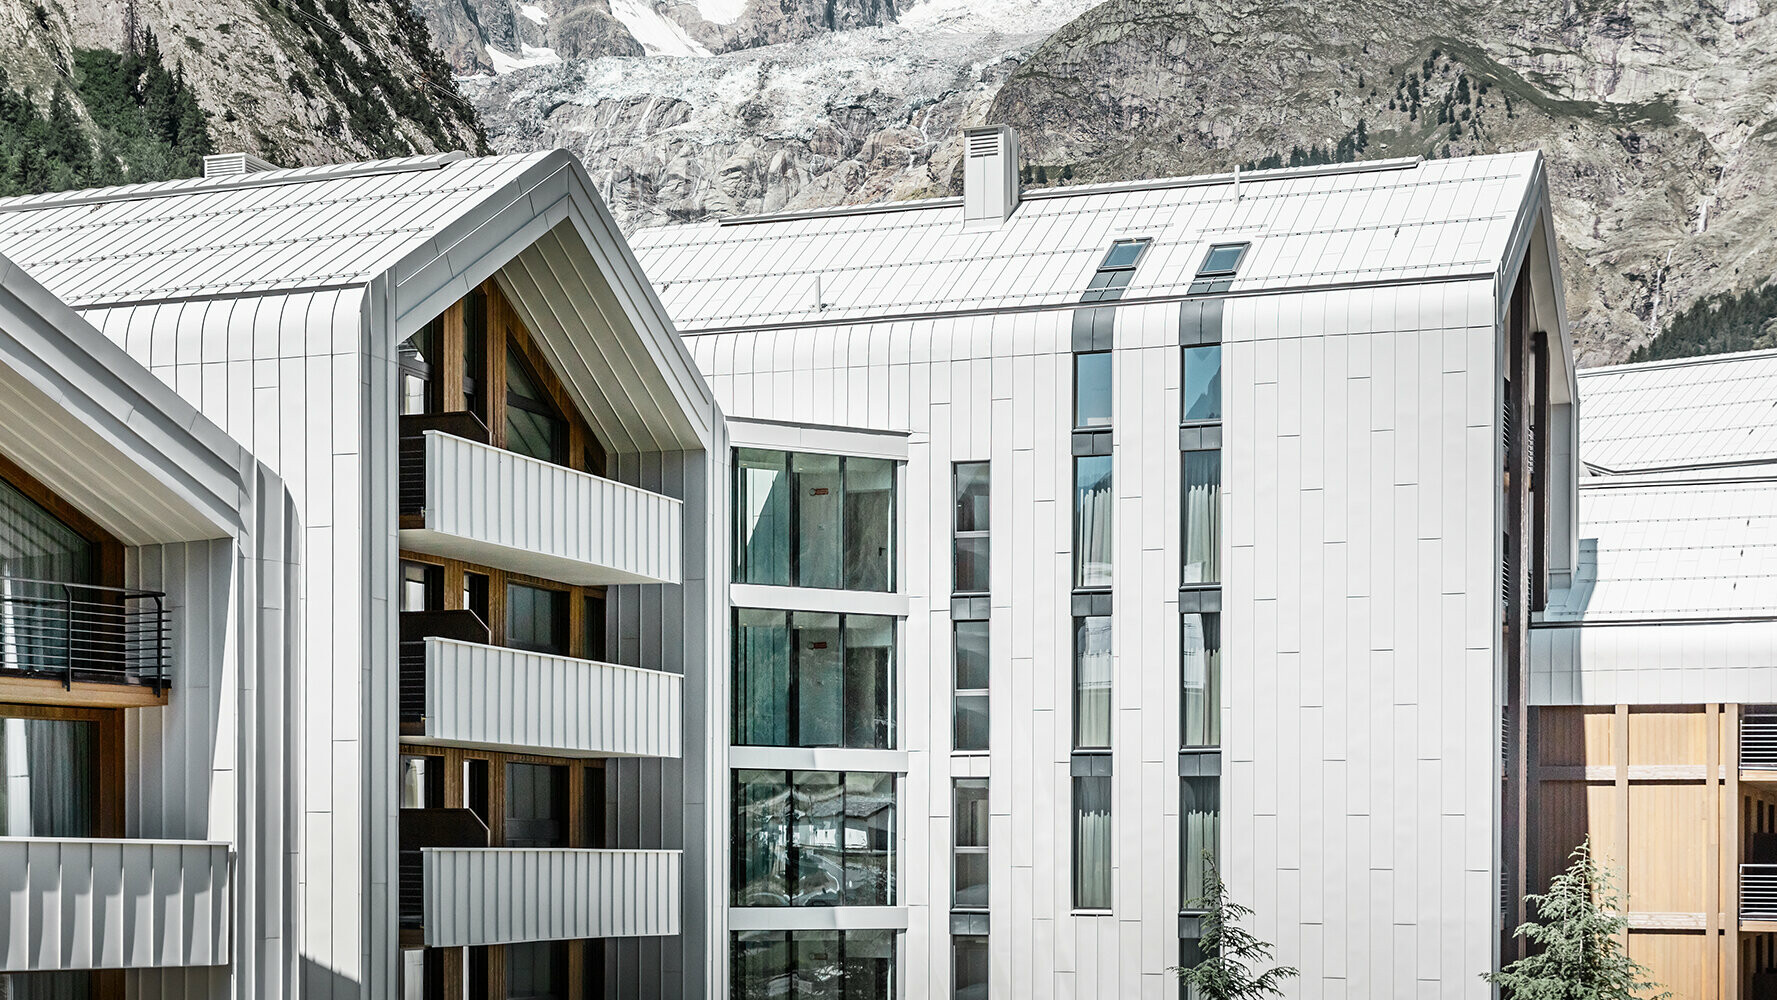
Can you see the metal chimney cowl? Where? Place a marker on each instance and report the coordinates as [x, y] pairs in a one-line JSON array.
[[990, 176]]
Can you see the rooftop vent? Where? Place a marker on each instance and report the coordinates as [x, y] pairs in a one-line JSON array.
[[990, 175], [230, 164]]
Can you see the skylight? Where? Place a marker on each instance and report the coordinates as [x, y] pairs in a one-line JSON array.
[[1222, 259], [1123, 253]]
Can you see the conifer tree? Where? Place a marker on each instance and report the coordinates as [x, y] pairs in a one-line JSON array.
[[1231, 953], [1577, 940]]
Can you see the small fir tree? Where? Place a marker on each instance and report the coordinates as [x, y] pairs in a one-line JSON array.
[[1577, 937], [1231, 953]]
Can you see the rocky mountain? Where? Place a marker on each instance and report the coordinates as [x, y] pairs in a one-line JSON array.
[[294, 81], [1659, 117]]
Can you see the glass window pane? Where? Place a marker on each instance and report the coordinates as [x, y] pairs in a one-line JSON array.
[[761, 678], [534, 435], [35, 545], [51, 772], [1092, 389], [1092, 683], [1222, 259], [1203, 383], [1200, 812], [1092, 521], [971, 880], [818, 683], [971, 812], [971, 565], [968, 967], [537, 970], [971, 656], [972, 496], [870, 681], [869, 524], [762, 515], [972, 723], [818, 545], [536, 619], [1092, 843], [869, 965], [1200, 677], [819, 972], [1202, 534], [761, 838], [818, 806], [869, 839], [1124, 253], [761, 964], [536, 805]]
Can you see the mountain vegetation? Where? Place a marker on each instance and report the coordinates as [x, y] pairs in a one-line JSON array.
[[1718, 324]]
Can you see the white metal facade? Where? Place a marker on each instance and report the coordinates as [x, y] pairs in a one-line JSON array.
[[273, 301], [1362, 361], [196, 901]]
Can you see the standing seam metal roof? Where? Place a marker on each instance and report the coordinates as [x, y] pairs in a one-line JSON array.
[[1397, 221], [1695, 413]]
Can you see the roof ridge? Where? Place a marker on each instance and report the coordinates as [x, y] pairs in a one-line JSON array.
[[1701, 359]]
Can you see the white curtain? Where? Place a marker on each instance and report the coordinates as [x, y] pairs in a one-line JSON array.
[[1203, 517], [1092, 522], [1200, 811], [1200, 676], [1092, 843], [1092, 680]]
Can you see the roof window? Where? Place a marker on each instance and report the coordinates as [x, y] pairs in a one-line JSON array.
[[1222, 260], [1123, 254]]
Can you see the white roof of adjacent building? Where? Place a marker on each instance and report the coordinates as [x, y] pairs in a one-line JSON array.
[[1385, 221], [1663, 550], [1712, 412], [244, 233]]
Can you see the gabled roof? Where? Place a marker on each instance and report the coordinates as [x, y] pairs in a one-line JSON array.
[[1401, 220], [244, 233], [414, 234], [1711, 412]]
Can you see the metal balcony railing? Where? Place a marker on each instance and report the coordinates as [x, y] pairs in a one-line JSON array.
[[1758, 737], [411, 485], [416, 627], [1758, 892], [78, 632]]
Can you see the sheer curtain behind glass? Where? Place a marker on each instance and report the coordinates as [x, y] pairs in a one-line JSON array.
[[34, 545], [1092, 522], [1200, 677], [1203, 517], [1200, 813], [51, 777], [1092, 843], [1092, 683]]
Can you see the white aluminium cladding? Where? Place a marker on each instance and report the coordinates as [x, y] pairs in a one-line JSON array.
[[1711, 412], [1403, 220]]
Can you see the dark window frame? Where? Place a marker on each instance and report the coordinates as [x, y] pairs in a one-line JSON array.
[[1232, 268]]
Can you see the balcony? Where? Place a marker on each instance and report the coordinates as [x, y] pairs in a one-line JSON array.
[[459, 691], [1758, 738], [483, 896], [55, 636], [113, 904], [464, 499], [1758, 892]]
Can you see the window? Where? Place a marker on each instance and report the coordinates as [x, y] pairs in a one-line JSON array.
[[1200, 678], [813, 679], [592, 628], [1222, 259], [534, 427], [475, 595], [969, 643], [1092, 389], [422, 586], [809, 520], [413, 365], [1092, 843], [51, 771], [422, 781], [1203, 383], [536, 805], [1202, 535], [972, 491], [831, 965], [813, 838], [474, 349], [969, 860], [537, 970], [536, 619], [1092, 522], [1123, 253], [1200, 812], [1092, 683], [36, 545], [968, 966]]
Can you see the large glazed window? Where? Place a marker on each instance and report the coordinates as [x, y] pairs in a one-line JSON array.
[[533, 425], [1200, 677], [1092, 843], [813, 679], [51, 772], [536, 618], [36, 545], [813, 838], [969, 862], [807, 520], [1092, 522], [829, 965], [1202, 536], [1200, 812], [536, 805]]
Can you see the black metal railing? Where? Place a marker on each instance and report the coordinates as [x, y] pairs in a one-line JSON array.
[[79, 632], [1758, 737], [1758, 892], [411, 482], [423, 828], [416, 628]]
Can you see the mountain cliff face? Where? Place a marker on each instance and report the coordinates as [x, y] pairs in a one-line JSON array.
[[294, 81], [1659, 119]]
